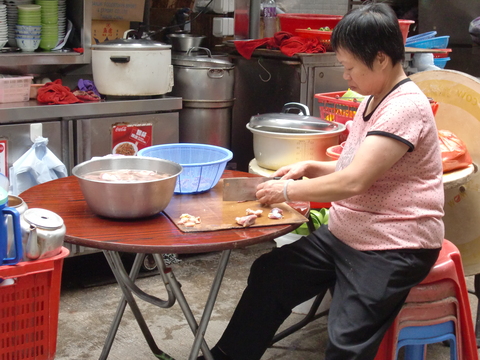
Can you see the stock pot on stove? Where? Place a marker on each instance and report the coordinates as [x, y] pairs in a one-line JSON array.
[[284, 138], [132, 67]]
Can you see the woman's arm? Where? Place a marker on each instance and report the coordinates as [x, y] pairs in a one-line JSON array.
[[375, 156], [310, 169]]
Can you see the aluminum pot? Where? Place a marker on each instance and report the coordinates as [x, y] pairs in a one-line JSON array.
[[284, 138], [127, 200], [184, 42], [132, 67], [200, 76]]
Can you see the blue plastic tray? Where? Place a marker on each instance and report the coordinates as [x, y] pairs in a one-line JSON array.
[[419, 37], [440, 42]]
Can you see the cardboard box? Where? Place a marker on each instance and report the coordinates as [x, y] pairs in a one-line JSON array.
[[108, 30], [127, 10]]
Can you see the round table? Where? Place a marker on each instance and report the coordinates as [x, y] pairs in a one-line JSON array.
[[155, 235]]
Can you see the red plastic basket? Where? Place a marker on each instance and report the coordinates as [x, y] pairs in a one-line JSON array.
[[333, 108], [322, 36], [291, 22], [29, 309]]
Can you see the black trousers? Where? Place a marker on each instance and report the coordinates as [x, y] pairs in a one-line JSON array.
[[370, 288]]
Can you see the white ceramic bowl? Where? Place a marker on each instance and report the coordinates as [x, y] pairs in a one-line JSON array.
[[27, 44]]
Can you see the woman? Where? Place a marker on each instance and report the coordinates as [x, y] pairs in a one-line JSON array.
[[385, 228]]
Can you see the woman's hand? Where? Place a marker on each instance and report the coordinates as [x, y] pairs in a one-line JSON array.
[[309, 168], [293, 171], [271, 192]]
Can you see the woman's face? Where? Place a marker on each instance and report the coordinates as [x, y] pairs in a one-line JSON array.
[[359, 76]]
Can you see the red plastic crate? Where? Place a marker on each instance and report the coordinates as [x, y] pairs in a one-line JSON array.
[[29, 309]]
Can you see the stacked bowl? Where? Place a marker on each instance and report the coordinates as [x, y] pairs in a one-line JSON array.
[[49, 23], [28, 28], [3, 25], [12, 17], [62, 19]]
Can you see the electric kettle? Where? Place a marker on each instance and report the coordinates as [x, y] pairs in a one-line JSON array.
[[6, 212]]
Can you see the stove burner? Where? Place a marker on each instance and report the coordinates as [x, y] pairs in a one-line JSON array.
[[132, 97]]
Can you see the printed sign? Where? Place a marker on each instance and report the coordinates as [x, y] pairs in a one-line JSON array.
[[3, 157], [128, 139]]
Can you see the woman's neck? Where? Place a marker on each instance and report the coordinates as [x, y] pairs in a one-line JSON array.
[[396, 74]]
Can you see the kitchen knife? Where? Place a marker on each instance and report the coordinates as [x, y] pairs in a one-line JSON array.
[[242, 188]]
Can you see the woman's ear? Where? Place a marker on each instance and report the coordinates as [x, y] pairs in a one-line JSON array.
[[382, 59]]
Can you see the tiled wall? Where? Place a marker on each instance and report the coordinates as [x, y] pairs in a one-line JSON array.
[[331, 7]]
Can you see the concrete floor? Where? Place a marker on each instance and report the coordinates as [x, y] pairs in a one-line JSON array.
[[89, 299]]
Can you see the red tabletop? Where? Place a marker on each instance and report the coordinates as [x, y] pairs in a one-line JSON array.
[[156, 234]]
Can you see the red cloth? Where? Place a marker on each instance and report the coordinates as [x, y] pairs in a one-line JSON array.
[[286, 42], [55, 93]]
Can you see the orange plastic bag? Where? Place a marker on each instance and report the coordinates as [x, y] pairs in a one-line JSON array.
[[455, 155]]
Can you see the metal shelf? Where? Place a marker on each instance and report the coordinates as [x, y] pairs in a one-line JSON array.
[[80, 13]]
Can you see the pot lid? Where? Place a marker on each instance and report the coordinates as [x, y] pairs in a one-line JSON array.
[[294, 124], [200, 57], [131, 44], [43, 218]]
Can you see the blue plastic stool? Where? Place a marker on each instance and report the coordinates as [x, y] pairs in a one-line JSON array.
[[415, 338]]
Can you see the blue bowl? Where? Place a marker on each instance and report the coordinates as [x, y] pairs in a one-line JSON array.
[[203, 165], [440, 62]]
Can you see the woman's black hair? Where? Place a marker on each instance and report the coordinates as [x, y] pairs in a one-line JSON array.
[[368, 30]]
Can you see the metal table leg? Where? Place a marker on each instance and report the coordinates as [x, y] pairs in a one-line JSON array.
[[126, 283], [120, 309], [120, 274]]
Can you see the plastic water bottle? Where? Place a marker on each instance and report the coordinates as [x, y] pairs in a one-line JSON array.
[[269, 17]]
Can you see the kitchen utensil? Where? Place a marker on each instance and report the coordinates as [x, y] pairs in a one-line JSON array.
[[281, 139], [43, 232], [132, 67], [203, 164], [18, 204], [216, 214], [127, 200], [5, 213], [201, 76], [242, 188], [184, 42]]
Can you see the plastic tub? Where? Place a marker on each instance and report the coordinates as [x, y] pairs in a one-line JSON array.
[[15, 89], [422, 36], [440, 42], [443, 54], [203, 165], [322, 36], [404, 27], [440, 62], [291, 22]]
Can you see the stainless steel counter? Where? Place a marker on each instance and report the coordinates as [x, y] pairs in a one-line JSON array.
[[33, 111]]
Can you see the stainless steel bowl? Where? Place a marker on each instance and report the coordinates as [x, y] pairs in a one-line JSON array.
[[184, 42], [127, 200]]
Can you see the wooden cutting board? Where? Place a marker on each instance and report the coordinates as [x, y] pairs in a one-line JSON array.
[[217, 214]]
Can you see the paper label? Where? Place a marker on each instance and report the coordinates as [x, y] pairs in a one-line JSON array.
[[3, 158], [128, 139]]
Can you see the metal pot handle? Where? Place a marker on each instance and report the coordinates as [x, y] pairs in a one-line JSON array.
[[296, 106], [215, 73], [199, 48]]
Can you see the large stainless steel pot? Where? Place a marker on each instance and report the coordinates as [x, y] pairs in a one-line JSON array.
[[132, 67], [202, 76], [281, 139]]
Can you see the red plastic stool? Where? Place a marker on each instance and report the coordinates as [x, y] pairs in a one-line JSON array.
[[432, 298]]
